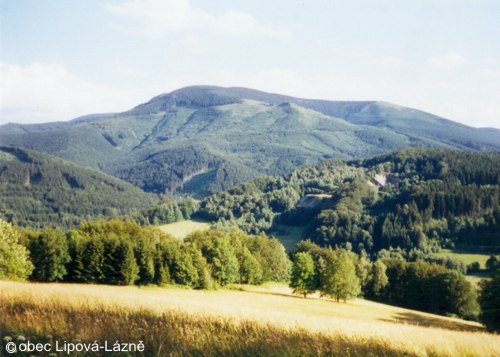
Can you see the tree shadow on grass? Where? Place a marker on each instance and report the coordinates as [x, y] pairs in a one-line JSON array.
[[415, 319]]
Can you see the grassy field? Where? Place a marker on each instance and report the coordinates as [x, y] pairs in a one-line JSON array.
[[287, 235], [183, 228], [249, 320], [465, 257], [476, 278]]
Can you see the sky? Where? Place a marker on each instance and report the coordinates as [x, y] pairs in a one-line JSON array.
[[60, 59]]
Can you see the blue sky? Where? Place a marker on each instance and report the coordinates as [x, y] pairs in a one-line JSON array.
[[61, 59]]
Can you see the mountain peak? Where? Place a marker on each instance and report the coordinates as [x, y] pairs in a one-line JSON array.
[[221, 136]]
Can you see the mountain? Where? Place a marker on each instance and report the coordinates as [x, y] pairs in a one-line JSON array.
[[39, 190], [203, 139]]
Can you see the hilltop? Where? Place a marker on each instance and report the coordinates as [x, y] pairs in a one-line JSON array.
[[203, 139]]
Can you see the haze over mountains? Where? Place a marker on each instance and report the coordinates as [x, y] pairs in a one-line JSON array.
[[204, 139]]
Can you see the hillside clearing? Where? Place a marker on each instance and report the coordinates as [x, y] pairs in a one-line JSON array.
[[183, 228], [289, 236], [355, 325], [465, 257]]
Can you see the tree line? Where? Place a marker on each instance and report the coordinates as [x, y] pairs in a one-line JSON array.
[[121, 252], [418, 285]]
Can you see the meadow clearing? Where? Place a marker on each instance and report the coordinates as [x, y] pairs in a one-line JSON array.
[[181, 229], [465, 257], [240, 320]]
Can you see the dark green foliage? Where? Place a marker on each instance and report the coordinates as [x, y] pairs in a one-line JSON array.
[[428, 287], [431, 199], [490, 301], [168, 211], [128, 271], [49, 254], [162, 274], [492, 263], [302, 278], [339, 273], [77, 271], [114, 252], [38, 190], [144, 255], [94, 260], [222, 258], [473, 267], [458, 296], [254, 206]]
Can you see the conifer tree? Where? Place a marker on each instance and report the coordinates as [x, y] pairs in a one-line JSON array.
[[49, 253]]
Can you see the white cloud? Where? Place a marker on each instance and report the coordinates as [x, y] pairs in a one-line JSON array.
[[447, 61], [162, 17], [49, 92]]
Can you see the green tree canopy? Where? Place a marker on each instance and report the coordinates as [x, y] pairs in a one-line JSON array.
[[49, 253], [489, 300], [303, 279], [15, 263], [338, 276], [377, 278]]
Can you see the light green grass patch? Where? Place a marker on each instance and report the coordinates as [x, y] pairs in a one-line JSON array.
[[475, 279], [465, 257], [288, 236], [183, 228]]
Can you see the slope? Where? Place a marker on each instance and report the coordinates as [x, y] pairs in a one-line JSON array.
[[255, 321], [38, 190], [414, 201], [203, 139]]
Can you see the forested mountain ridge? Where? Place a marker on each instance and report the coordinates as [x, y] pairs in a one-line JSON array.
[[38, 190], [414, 201], [199, 140]]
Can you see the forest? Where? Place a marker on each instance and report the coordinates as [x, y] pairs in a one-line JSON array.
[[370, 229], [429, 199]]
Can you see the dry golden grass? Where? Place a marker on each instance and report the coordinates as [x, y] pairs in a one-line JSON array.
[[246, 320], [181, 229]]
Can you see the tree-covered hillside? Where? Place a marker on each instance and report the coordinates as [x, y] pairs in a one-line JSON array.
[[201, 140], [38, 190], [411, 202]]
